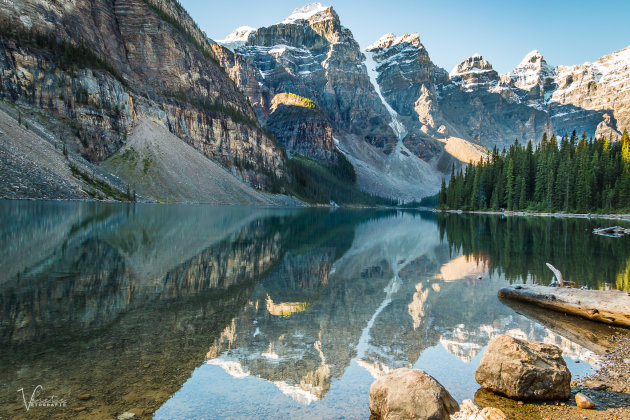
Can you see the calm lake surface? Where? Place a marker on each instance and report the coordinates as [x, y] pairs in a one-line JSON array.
[[178, 311]]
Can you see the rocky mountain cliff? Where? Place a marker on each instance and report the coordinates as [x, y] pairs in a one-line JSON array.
[[95, 68], [591, 97], [468, 104]]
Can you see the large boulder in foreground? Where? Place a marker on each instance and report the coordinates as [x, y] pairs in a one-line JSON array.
[[410, 394], [524, 370]]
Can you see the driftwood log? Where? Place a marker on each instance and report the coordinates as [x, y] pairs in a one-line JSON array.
[[609, 306], [556, 273], [594, 336]]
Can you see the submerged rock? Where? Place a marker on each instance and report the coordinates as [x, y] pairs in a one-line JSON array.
[[524, 370], [410, 393], [471, 411]]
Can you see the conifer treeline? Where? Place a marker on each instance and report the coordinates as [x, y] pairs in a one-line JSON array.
[[577, 175]]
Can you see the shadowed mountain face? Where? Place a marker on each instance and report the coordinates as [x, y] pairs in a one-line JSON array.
[[294, 311]]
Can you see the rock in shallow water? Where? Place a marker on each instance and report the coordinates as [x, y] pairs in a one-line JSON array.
[[524, 370], [471, 411], [583, 401], [410, 393]]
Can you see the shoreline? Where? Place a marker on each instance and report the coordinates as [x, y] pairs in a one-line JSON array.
[[608, 386], [535, 214]]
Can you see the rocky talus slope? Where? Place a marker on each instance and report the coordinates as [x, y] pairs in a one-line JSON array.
[[158, 164]]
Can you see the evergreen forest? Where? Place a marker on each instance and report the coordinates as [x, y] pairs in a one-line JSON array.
[[574, 175]]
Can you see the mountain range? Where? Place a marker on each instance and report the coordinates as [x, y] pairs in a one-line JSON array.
[[109, 98]]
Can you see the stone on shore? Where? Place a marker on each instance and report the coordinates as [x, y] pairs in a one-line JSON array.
[[583, 401], [524, 370], [410, 394]]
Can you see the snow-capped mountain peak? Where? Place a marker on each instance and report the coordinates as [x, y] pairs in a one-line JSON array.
[[389, 40], [239, 34], [237, 38], [305, 12], [531, 71], [616, 62], [533, 56]]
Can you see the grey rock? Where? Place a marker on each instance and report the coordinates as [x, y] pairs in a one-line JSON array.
[[524, 370], [410, 393]]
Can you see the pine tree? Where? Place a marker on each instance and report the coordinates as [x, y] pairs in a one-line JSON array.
[[442, 195], [509, 184], [523, 195]]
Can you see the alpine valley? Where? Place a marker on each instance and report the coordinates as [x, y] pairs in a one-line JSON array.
[[130, 100]]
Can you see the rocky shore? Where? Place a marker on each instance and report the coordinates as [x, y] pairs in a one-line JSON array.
[[543, 214], [517, 368], [609, 388]]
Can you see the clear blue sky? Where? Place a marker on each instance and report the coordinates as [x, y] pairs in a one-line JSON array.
[[503, 31]]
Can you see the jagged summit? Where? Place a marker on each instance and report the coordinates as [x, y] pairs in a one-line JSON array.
[[473, 64], [389, 40], [305, 12], [532, 71], [531, 57]]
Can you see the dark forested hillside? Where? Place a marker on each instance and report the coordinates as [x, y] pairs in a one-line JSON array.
[[574, 175]]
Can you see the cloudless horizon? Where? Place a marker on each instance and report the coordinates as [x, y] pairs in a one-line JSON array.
[[565, 32]]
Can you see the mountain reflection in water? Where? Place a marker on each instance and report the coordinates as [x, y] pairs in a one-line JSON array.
[[275, 312]]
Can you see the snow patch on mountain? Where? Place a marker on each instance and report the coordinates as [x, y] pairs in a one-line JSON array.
[[611, 70], [239, 34], [396, 124], [475, 64]]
